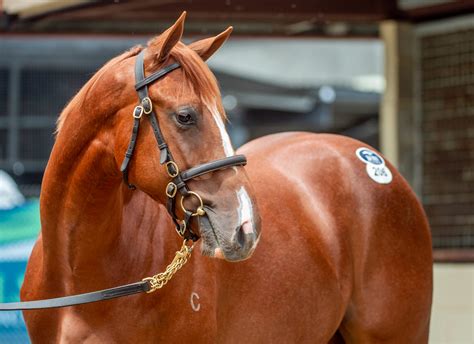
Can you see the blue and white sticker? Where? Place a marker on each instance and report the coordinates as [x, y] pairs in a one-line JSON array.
[[375, 165], [368, 156]]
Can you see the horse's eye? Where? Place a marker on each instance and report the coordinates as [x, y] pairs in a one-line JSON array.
[[184, 118]]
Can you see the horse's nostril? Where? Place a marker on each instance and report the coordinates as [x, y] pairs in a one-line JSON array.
[[240, 237]]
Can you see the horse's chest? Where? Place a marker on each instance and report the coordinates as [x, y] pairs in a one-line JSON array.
[[74, 329], [174, 319]]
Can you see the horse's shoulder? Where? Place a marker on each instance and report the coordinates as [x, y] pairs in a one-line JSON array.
[[33, 273]]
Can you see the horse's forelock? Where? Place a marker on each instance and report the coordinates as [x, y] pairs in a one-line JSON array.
[[197, 74]]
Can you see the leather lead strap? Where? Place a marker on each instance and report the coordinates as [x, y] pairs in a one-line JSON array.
[[101, 295]]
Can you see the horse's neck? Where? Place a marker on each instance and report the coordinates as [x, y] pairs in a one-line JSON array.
[[81, 207], [96, 233]]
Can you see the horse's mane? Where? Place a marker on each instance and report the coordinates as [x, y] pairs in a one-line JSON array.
[[82, 94]]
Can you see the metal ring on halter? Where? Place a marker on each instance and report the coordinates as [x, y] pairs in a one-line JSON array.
[[199, 210], [176, 168]]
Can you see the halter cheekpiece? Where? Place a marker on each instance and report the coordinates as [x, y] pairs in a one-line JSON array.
[[178, 178]]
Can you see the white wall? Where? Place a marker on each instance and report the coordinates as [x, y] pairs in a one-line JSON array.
[[452, 320]]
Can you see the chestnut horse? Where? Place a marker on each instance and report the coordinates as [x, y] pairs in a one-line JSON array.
[[342, 258]]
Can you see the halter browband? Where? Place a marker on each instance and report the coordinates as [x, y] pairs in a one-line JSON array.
[[178, 179]]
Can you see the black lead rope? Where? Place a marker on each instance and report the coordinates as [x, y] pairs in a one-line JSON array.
[[79, 299], [177, 183]]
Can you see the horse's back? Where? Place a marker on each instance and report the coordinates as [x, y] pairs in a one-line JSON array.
[[373, 237]]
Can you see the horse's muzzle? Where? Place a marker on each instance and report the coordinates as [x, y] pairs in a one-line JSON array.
[[235, 245]]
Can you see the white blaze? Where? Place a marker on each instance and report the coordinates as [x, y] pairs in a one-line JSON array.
[[226, 144], [245, 208]]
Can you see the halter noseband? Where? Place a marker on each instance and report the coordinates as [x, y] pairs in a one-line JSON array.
[[178, 179]]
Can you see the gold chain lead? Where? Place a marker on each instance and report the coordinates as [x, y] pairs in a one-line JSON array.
[[180, 258]]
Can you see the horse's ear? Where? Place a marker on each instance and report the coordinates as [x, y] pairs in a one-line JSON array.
[[168, 39], [206, 47]]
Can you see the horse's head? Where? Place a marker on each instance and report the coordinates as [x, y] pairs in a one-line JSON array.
[[190, 115]]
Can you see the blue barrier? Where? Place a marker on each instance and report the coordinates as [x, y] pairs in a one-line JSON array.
[[18, 231]]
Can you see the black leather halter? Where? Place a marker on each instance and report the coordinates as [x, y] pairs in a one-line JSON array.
[[177, 183], [178, 179]]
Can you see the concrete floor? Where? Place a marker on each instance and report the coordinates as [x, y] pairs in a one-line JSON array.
[[452, 320]]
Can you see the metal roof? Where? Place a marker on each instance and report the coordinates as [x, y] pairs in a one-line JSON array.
[[276, 17]]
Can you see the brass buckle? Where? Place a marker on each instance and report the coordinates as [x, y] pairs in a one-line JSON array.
[[175, 189], [199, 210], [172, 163], [140, 112], [146, 102]]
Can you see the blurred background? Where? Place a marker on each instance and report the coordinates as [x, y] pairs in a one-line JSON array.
[[396, 74]]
